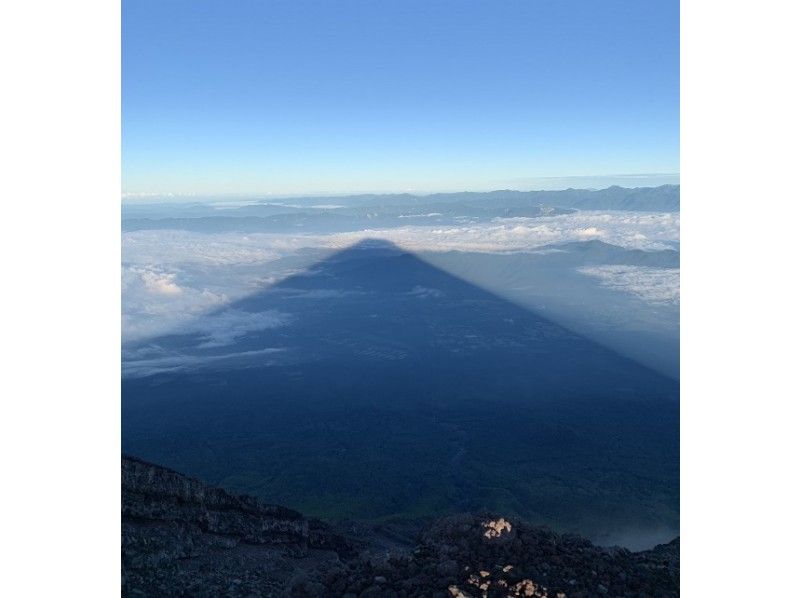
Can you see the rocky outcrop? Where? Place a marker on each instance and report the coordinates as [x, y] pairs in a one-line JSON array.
[[485, 556], [181, 537], [153, 493]]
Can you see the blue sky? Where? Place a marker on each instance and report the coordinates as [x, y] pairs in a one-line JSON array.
[[292, 97]]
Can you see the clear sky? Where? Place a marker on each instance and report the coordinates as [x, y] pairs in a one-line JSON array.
[[297, 96]]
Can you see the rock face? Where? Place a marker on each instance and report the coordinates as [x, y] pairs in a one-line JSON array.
[[158, 494], [181, 537]]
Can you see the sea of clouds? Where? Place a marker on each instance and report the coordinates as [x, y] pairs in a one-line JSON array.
[[172, 277]]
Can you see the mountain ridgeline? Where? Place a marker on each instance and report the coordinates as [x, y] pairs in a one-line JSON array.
[[354, 212]]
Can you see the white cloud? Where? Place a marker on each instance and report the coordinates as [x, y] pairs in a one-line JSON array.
[[591, 232], [135, 367], [291, 293], [164, 247], [431, 215], [153, 303], [159, 283], [225, 327], [654, 285], [425, 292], [640, 230]]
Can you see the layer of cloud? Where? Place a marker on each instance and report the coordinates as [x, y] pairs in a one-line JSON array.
[[654, 285], [292, 293], [226, 327], [636, 230], [425, 293], [172, 278], [134, 367], [160, 283], [431, 215], [640, 230], [219, 329], [166, 247]]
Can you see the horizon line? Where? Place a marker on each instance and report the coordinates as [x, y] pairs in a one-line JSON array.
[[146, 197]]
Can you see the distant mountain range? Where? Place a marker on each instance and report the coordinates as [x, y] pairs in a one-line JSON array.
[[665, 198], [339, 213]]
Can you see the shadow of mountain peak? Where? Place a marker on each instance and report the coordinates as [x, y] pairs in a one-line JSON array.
[[375, 303], [375, 384], [375, 244]]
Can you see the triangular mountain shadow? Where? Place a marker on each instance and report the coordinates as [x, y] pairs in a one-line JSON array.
[[374, 301], [375, 384]]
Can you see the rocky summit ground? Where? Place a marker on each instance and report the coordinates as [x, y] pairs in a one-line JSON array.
[[181, 537]]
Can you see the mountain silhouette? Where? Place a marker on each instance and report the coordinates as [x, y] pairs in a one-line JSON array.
[[376, 385]]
